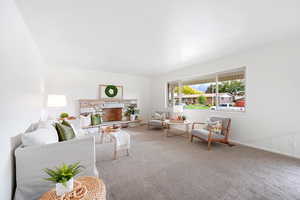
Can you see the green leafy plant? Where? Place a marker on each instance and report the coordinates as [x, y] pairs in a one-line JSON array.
[[64, 115], [62, 174], [202, 100], [132, 110]]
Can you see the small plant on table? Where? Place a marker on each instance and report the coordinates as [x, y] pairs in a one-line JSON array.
[[62, 176]]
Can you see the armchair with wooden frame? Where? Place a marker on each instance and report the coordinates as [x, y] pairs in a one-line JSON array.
[[158, 119], [208, 135]]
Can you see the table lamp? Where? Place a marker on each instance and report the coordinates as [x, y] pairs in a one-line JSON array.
[[56, 101]]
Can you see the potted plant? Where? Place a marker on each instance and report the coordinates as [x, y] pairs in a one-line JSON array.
[[63, 176], [132, 112], [64, 115]]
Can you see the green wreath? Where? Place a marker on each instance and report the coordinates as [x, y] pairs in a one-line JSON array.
[[111, 91]]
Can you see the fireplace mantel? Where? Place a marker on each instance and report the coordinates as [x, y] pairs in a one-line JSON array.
[[111, 108]]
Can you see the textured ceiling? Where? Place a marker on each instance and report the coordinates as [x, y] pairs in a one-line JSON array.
[[151, 37]]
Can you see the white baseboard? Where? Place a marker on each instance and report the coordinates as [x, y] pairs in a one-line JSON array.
[[254, 146], [263, 148]]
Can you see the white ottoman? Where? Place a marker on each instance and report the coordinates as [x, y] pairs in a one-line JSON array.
[[121, 140]]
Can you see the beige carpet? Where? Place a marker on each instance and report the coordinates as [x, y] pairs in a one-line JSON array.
[[161, 168]]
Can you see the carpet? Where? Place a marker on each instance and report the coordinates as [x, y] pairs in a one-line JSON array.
[[172, 168]]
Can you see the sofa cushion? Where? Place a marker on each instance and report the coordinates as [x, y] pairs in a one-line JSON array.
[[155, 122]]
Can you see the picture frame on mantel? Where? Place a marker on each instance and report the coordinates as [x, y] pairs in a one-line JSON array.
[[107, 92]]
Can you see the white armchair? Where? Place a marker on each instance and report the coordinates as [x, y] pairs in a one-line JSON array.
[[157, 120]]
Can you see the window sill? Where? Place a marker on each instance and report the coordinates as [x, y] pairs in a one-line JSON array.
[[222, 111]]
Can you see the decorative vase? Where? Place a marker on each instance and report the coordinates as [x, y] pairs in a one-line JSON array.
[[61, 189], [132, 117]]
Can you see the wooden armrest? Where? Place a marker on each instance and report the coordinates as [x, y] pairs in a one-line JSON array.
[[199, 123]]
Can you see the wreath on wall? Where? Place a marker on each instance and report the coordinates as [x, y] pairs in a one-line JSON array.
[[111, 91]]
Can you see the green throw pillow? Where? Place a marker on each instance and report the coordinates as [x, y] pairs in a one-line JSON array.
[[64, 132], [64, 122], [95, 119]]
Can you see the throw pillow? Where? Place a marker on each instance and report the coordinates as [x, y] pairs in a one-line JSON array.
[[157, 116], [85, 120], [66, 123], [39, 136], [96, 119], [64, 132], [216, 127]]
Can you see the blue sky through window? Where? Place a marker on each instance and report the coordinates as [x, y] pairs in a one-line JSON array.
[[201, 87]]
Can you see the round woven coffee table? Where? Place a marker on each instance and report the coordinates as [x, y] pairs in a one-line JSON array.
[[88, 188]]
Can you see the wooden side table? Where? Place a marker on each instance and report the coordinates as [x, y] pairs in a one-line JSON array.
[[94, 190], [172, 123]]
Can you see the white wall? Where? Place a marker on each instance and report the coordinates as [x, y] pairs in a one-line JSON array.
[[20, 86], [83, 84], [25, 82], [272, 118]]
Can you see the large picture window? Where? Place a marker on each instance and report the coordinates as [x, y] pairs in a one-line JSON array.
[[219, 91]]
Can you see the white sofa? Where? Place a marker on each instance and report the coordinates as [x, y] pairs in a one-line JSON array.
[[31, 160]]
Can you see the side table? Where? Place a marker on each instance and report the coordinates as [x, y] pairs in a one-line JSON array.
[[95, 190], [186, 124]]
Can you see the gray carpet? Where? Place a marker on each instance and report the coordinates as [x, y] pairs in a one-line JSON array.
[[161, 168]]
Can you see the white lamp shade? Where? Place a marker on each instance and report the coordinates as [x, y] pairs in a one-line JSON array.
[[56, 100], [178, 109]]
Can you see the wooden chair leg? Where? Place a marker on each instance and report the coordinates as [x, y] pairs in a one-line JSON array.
[[115, 155], [230, 145], [209, 144], [192, 138]]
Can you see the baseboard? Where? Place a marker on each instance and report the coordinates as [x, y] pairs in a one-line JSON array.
[[255, 147], [262, 148]]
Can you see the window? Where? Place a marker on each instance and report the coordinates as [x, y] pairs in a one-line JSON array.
[[220, 91]]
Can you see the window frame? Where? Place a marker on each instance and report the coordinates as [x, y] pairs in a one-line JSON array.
[[216, 75]]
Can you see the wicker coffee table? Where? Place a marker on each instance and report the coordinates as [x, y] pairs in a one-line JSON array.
[[86, 188]]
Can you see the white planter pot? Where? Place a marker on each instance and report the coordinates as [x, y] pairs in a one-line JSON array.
[[61, 189], [132, 117]]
